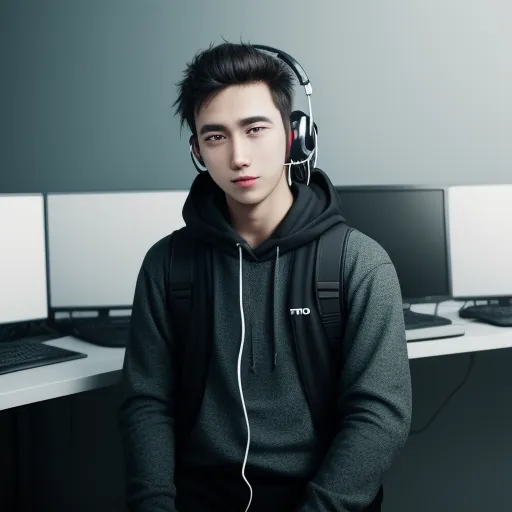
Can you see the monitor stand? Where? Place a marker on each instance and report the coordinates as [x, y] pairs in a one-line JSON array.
[[105, 326], [65, 315]]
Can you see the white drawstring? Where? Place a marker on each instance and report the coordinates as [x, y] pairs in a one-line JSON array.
[[240, 376]]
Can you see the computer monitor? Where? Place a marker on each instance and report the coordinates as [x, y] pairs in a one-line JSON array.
[[409, 223], [480, 241], [97, 242], [23, 265]]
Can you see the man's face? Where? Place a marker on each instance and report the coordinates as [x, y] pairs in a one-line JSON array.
[[241, 133]]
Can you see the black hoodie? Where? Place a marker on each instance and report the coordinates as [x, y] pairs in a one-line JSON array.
[[286, 467]]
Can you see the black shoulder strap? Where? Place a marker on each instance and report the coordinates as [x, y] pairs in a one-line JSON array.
[[330, 261], [181, 275]]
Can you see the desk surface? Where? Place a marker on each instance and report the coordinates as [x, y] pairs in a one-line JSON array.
[[101, 368], [478, 336], [103, 365]]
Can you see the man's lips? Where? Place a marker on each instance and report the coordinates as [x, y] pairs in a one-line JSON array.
[[244, 178]]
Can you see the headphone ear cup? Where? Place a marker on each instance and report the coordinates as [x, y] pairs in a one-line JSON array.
[[309, 137], [300, 148]]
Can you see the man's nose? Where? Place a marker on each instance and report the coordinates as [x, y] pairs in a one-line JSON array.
[[240, 153]]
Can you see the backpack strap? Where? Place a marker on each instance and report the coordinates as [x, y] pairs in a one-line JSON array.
[[181, 275], [330, 262], [193, 339]]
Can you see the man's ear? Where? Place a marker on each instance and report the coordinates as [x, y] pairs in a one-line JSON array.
[[289, 141], [195, 149]]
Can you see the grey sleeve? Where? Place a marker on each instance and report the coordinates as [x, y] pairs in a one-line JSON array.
[[146, 416], [375, 397]]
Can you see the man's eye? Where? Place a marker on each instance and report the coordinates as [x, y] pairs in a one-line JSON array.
[[211, 137]]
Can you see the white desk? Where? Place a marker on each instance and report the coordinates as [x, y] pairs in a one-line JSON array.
[[478, 336], [103, 366]]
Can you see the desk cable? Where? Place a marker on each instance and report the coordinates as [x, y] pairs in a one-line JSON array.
[[472, 357]]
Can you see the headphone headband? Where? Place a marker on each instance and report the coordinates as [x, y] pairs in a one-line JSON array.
[[301, 75]]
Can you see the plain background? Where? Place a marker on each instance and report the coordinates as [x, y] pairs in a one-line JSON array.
[[404, 92]]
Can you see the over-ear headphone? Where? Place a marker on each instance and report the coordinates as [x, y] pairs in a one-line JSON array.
[[304, 131]]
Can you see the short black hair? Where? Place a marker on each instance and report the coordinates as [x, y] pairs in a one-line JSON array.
[[218, 67]]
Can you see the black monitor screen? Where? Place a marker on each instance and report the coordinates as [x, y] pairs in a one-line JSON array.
[[410, 225]]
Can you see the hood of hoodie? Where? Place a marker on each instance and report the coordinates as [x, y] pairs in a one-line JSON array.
[[316, 207]]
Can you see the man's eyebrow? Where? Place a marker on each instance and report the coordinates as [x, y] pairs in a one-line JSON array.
[[216, 127]]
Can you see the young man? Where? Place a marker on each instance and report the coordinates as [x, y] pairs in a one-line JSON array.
[[253, 440]]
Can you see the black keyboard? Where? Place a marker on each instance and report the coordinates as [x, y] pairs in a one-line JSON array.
[[104, 331], [414, 320], [490, 314], [30, 353]]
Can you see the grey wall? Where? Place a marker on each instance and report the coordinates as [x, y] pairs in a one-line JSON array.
[[404, 92]]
